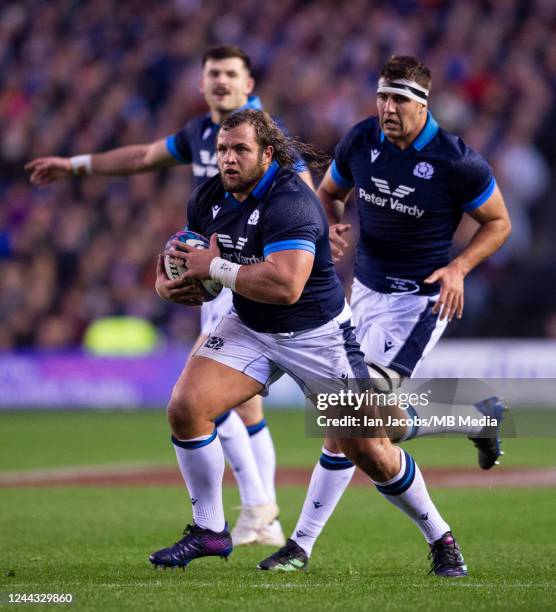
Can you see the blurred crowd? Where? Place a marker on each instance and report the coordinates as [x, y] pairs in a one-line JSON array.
[[78, 77]]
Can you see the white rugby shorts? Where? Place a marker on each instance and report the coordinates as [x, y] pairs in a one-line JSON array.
[[328, 352], [213, 311], [395, 331]]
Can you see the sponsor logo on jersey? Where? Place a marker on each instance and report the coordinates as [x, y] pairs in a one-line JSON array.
[[423, 170], [215, 210], [208, 166], [374, 154], [393, 202], [388, 345], [254, 218], [207, 158], [208, 171], [241, 259], [226, 241], [384, 187]]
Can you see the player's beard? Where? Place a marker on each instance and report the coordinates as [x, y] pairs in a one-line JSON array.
[[247, 181]]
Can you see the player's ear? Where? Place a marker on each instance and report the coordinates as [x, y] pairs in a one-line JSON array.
[[268, 152], [250, 85]]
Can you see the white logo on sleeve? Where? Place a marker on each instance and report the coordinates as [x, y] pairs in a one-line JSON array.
[[208, 166], [423, 170], [254, 218], [215, 210], [374, 154]]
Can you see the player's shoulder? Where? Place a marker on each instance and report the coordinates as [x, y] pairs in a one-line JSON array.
[[364, 133], [288, 184], [197, 125], [368, 127], [290, 197], [454, 148], [464, 163]]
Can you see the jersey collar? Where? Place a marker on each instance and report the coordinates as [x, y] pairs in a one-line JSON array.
[[425, 135], [253, 102], [261, 188]]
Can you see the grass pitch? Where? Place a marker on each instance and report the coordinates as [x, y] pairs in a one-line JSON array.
[[94, 542], [31, 440]]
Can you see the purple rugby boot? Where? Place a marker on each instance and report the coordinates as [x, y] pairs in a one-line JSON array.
[[196, 543], [446, 558]]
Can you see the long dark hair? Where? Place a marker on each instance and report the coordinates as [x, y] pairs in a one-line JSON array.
[[287, 150]]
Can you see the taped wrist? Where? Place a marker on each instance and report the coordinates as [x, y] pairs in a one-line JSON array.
[[82, 165], [225, 272]]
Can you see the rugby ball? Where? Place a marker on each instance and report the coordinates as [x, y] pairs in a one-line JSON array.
[[176, 267]]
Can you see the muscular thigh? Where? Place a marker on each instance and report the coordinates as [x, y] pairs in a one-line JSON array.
[[210, 388]]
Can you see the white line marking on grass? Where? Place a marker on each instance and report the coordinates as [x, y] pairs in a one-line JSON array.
[[289, 585], [496, 585], [286, 585]]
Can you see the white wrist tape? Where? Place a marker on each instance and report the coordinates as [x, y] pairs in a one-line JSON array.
[[225, 272], [82, 165]]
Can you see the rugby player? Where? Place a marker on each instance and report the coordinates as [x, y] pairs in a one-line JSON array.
[[413, 182], [290, 316], [227, 85]]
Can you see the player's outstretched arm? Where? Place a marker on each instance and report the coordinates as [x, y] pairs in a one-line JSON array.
[[495, 227], [279, 279], [333, 198], [117, 162]]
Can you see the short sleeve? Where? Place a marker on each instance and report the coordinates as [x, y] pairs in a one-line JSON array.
[[340, 169], [179, 146], [290, 222], [473, 180]]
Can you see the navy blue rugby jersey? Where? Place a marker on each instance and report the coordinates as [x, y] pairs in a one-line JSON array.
[[195, 144], [281, 213], [410, 202]]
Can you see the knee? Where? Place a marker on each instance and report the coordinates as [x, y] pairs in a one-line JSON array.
[[181, 409], [251, 411]]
